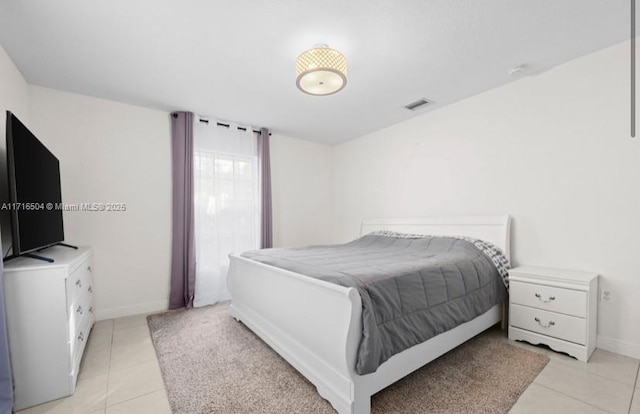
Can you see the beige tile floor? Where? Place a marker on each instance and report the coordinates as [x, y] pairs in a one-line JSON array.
[[120, 375], [607, 384]]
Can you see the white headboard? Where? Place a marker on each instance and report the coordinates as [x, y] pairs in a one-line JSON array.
[[494, 229]]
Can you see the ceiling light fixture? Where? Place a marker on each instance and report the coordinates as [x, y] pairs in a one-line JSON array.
[[321, 71]]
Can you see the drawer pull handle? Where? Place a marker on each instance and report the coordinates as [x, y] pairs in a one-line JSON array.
[[549, 299], [89, 268], [551, 323], [81, 336], [78, 283], [79, 310], [90, 290], [91, 309]]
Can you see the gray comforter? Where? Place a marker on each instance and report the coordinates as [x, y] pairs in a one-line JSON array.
[[412, 289]]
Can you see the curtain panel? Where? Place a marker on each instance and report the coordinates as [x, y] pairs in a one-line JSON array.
[[183, 257], [227, 204], [264, 164]]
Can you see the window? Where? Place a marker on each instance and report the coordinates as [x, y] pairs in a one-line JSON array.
[[227, 206]]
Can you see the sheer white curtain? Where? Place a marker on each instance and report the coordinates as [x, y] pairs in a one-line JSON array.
[[227, 204]]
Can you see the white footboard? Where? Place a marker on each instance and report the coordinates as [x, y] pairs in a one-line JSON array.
[[314, 325]]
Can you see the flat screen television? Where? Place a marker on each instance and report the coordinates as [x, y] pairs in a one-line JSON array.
[[35, 195]]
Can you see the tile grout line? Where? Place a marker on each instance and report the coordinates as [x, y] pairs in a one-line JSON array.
[[84, 357], [555, 356], [106, 396], [574, 398], [134, 398], [113, 369], [635, 391], [597, 374], [578, 370], [109, 374], [582, 371]]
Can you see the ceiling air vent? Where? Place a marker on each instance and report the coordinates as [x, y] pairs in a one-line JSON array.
[[421, 103]]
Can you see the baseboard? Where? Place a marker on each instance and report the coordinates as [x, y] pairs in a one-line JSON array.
[[619, 347], [138, 308]]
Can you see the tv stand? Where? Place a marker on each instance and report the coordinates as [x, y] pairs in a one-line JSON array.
[[38, 257]]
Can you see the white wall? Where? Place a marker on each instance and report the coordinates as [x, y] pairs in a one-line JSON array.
[[13, 92], [113, 153], [302, 187], [14, 97], [553, 150]]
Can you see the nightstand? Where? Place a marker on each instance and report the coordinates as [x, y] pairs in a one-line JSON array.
[[558, 308]]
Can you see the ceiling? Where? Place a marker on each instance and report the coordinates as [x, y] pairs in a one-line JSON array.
[[234, 60]]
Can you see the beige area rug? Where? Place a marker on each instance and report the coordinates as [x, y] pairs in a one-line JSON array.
[[213, 364]]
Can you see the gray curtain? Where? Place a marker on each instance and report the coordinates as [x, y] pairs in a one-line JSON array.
[[6, 377], [264, 164], [183, 255]]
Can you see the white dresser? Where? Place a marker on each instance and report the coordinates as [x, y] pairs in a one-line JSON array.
[[554, 307], [50, 311]]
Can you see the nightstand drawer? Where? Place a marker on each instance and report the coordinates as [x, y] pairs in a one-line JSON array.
[[568, 328], [567, 301]]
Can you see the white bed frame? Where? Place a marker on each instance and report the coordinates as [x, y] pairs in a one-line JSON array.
[[316, 326]]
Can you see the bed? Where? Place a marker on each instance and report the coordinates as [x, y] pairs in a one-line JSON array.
[[317, 325]]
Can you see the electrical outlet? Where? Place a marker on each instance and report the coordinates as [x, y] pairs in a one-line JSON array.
[[605, 296]]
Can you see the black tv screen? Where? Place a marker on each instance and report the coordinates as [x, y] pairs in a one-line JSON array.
[[34, 190]]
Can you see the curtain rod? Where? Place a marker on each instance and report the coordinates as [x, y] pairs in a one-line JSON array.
[[206, 121]]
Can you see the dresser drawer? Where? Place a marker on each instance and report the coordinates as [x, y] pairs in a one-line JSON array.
[[567, 301], [557, 325], [81, 313], [79, 282], [80, 309], [78, 341], [77, 346]]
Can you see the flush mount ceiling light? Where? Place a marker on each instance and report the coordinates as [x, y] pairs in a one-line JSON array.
[[321, 71]]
